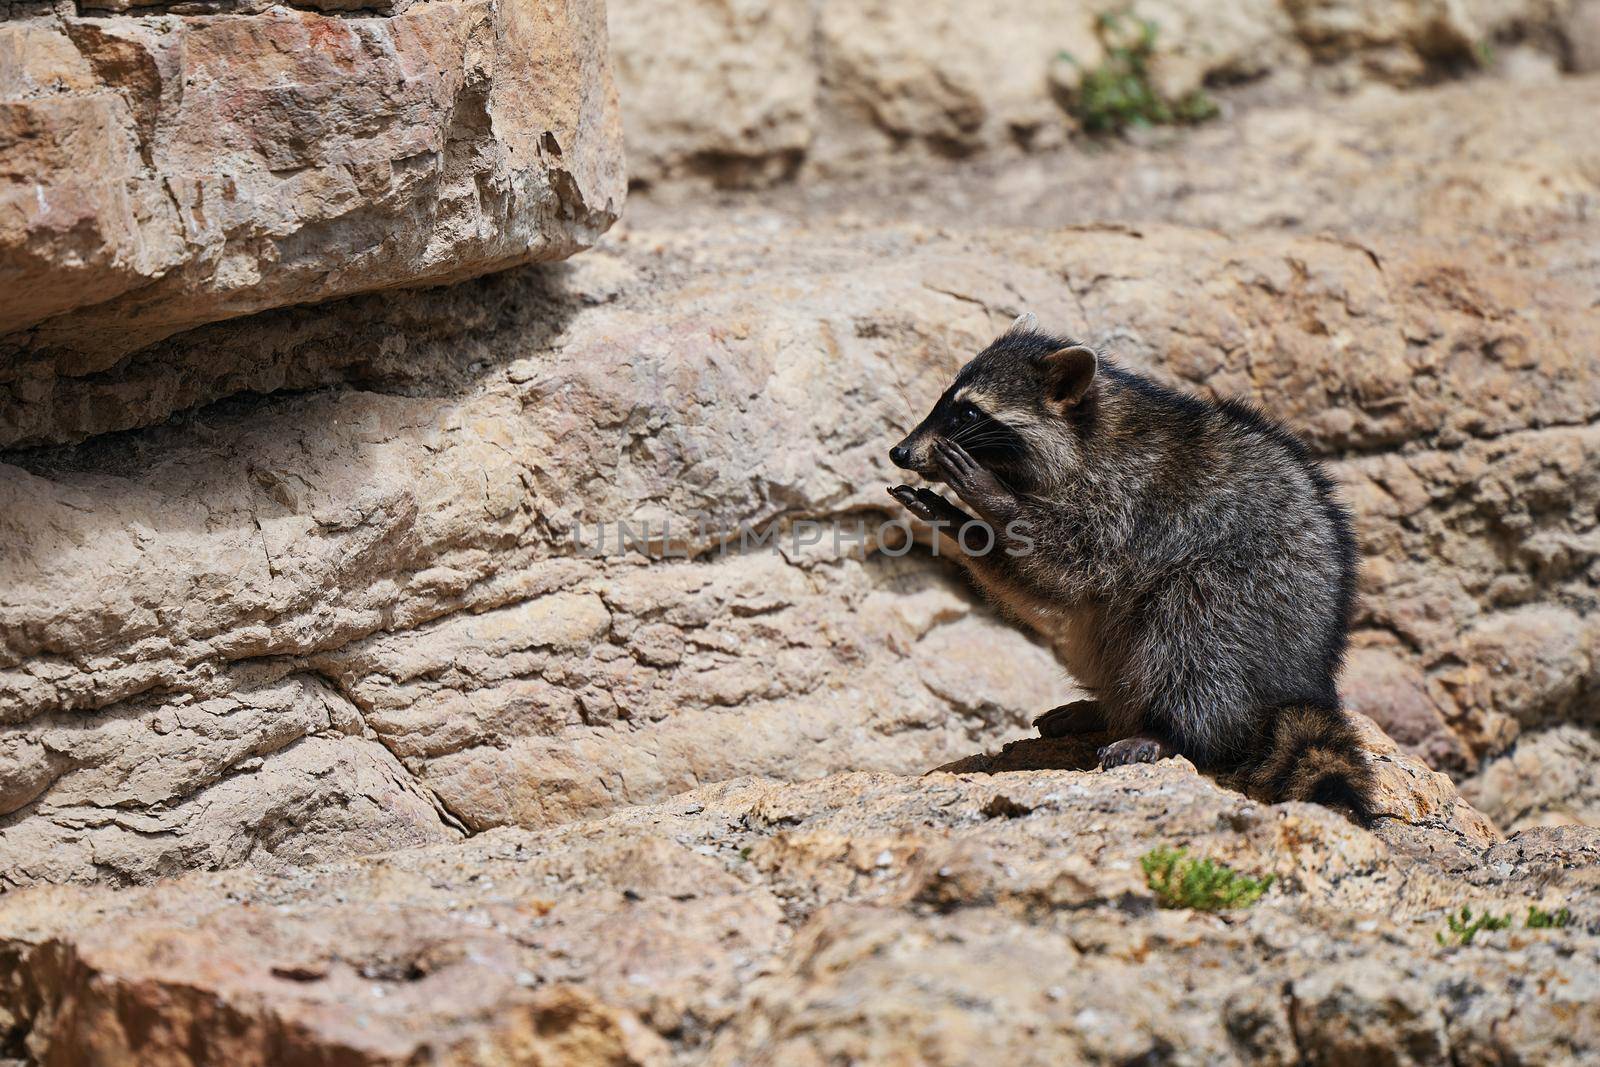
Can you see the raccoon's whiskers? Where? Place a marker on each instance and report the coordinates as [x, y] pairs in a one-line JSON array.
[[979, 440]]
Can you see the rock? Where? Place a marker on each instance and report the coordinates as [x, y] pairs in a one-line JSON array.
[[1582, 33], [1454, 164], [725, 91], [747, 94], [519, 680], [393, 539], [169, 170], [1532, 665], [272, 776], [898, 74], [1405, 792], [1405, 703], [1199, 44], [1550, 777], [1463, 164], [1528, 66], [1438, 30], [528, 671], [85, 221], [864, 917]]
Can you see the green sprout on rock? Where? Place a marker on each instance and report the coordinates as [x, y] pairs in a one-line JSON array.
[[1203, 885], [1539, 919], [1464, 926], [1119, 94]]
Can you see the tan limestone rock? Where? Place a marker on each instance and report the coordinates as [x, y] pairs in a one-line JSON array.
[[162, 171]]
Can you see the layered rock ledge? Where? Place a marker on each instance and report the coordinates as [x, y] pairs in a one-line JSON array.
[[358, 755], [162, 170]]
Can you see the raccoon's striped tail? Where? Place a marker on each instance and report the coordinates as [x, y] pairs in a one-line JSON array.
[[1314, 754]]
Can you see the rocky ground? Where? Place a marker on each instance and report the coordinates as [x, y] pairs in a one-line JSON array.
[[947, 919], [302, 586]]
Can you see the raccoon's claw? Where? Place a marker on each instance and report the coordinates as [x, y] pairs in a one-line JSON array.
[[1133, 750], [928, 506], [956, 460], [912, 502], [972, 482]]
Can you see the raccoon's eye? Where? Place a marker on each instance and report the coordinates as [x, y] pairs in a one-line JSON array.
[[968, 413]]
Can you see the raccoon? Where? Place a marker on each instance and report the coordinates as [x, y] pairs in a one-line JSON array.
[[1189, 560]]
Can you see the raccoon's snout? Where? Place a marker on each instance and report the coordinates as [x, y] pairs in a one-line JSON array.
[[914, 452], [910, 455]]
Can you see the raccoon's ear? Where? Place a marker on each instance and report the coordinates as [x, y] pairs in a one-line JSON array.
[[1027, 322], [1068, 374]]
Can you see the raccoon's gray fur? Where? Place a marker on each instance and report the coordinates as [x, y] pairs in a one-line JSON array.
[[1188, 559]]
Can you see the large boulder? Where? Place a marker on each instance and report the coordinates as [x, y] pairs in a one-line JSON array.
[[278, 628], [158, 171], [394, 574], [717, 89]]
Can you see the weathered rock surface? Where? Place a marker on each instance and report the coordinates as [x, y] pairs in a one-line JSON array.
[[745, 93], [715, 88], [1459, 182], [158, 171], [1505, 172], [1582, 33], [1549, 778], [287, 604], [1463, 162], [946, 919], [331, 550], [326, 558]]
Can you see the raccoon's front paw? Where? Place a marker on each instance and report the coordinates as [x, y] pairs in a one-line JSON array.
[[1133, 750], [929, 506], [972, 482]]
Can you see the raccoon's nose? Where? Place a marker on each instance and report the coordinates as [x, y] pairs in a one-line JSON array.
[[900, 456]]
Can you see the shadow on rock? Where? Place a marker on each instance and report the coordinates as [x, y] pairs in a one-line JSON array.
[[1078, 753], [438, 341]]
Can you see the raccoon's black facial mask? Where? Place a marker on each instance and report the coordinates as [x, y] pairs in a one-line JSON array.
[[955, 418], [988, 440]]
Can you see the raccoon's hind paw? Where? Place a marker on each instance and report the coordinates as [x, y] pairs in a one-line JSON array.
[[1078, 717], [1133, 750]]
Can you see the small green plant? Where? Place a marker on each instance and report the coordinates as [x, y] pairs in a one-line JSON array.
[[1463, 927], [1204, 885], [1118, 93], [1539, 919]]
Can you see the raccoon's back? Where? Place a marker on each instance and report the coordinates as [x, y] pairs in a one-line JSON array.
[[1297, 553]]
